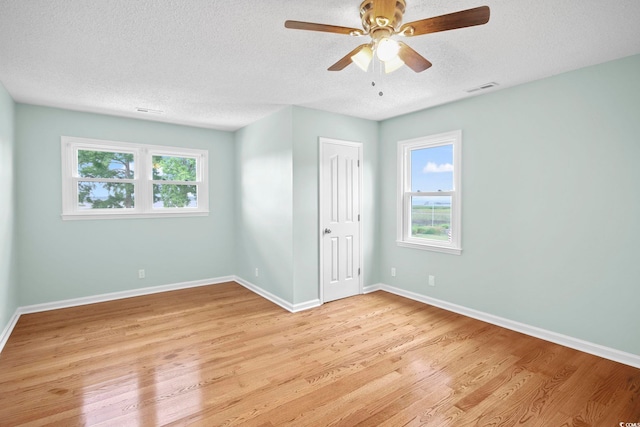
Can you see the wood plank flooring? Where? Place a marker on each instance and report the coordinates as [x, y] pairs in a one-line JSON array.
[[221, 355]]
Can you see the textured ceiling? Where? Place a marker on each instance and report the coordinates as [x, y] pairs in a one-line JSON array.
[[225, 64]]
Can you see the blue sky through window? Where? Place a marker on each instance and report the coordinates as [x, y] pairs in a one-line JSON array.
[[432, 169]]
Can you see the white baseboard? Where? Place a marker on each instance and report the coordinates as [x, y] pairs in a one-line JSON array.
[[554, 337], [301, 306], [372, 288], [4, 337], [36, 308], [293, 308], [265, 294]]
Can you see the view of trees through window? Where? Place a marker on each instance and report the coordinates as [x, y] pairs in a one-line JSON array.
[[109, 180], [105, 168], [174, 195]]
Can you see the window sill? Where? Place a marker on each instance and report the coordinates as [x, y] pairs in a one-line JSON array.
[[427, 247], [87, 216]]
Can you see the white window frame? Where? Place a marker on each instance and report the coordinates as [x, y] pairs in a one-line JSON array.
[[142, 181], [404, 237]]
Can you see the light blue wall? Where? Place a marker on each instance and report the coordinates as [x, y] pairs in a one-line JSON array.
[[277, 198], [265, 204], [551, 205], [308, 126], [8, 265], [69, 259]]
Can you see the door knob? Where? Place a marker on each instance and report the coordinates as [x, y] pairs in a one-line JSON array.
[[327, 231]]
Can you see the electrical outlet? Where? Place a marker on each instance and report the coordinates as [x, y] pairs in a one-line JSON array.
[[432, 280], [141, 274], [393, 272], [256, 271]]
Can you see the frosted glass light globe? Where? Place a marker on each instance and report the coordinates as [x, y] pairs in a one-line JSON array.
[[387, 49]]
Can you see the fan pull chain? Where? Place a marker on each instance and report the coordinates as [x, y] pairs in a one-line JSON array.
[[373, 82]]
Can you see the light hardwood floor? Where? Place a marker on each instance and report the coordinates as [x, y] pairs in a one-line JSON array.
[[221, 355]]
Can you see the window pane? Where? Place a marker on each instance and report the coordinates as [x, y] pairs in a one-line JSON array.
[[431, 217], [168, 168], [105, 164], [432, 169], [175, 196], [105, 195]]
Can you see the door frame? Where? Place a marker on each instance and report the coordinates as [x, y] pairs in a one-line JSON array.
[[321, 143]]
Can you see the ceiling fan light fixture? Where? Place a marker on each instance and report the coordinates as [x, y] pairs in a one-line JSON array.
[[393, 64], [363, 58], [387, 49], [382, 20]]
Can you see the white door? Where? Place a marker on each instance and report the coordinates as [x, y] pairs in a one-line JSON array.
[[340, 244]]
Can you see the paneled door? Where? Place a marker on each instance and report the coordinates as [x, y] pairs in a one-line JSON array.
[[340, 231]]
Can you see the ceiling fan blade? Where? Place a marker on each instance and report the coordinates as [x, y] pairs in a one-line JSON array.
[[346, 60], [464, 18], [413, 59], [310, 26]]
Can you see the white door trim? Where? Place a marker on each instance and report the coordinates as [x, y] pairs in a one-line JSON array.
[[321, 142]]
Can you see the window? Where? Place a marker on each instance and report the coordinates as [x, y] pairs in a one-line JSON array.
[[429, 201], [107, 179]]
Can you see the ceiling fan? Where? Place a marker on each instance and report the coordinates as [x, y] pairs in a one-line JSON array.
[[381, 20]]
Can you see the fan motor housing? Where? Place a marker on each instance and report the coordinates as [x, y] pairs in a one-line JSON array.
[[381, 24]]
